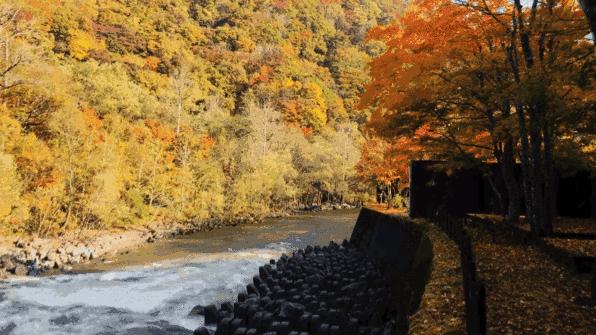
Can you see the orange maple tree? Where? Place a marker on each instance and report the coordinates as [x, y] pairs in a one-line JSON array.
[[491, 80]]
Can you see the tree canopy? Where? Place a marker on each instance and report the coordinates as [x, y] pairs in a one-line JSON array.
[[129, 112], [501, 81]]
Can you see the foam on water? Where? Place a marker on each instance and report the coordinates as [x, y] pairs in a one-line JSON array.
[[132, 301]]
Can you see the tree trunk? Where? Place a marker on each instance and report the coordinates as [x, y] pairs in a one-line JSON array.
[[525, 164], [389, 196], [178, 117], [537, 176], [589, 8], [508, 172], [550, 179], [511, 184]]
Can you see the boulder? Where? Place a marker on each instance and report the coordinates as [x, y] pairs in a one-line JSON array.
[[51, 256], [7, 263], [19, 243], [201, 331], [197, 310], [31, 254], [20, 270]]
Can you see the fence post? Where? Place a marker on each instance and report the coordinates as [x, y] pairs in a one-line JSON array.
[[594, 282], [474, 291], [481, 308]]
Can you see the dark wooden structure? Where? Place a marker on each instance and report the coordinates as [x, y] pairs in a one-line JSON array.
[[434, 189]]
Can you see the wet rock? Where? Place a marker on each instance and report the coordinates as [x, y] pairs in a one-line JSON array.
[[327, 290], [197, 310], [64, 320], [155, 330], [201, 331], [6, 330], [228, 307], [211, 314]]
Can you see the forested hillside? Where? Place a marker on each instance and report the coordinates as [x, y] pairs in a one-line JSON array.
[[133, 112]]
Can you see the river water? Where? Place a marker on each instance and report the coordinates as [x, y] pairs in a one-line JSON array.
[[152, 289]]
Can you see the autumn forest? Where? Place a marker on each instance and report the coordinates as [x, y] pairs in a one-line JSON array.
[[126, 112]]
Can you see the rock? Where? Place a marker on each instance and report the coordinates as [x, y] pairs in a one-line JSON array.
[[20, 270], [227, 306], [210, 314], [42, 252], [197, 310], [3, 274], [51, 256], [354, 287], [314, 279], [31, 254], [84, 253], [74, 259], [291, 311], [64, 320], [201, 331], [20, 257], [7, 263], [46, 265], [5, 330], [69, 250], [64, 259], [19, 243]]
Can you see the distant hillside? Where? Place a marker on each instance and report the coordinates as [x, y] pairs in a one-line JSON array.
[[149, 111]]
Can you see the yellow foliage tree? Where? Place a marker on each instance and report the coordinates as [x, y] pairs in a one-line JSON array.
[[80, 44], [10, 187]]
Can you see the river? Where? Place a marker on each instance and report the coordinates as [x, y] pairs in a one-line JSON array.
[[151, 290]]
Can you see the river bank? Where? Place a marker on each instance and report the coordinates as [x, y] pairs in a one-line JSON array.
[[33, 255], [152, 288]]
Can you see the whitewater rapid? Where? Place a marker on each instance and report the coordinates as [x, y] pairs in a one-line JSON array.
[[152, 289], [149, 299]]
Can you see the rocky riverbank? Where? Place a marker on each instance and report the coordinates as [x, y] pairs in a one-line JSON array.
[[31, 255]]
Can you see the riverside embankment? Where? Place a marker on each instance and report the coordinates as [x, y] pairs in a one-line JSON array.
[[153, 287], [30, 255], [368, 285]]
